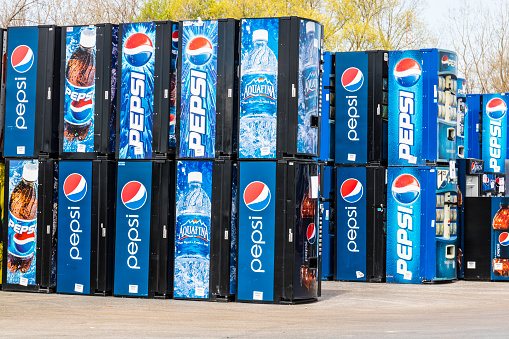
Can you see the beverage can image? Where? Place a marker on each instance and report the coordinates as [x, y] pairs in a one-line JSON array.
[[80, 72], [22, 229], [258, 88], [192, 231], [500, 229]]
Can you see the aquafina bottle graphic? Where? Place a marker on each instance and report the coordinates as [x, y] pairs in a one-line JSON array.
[[192, 241], [258, 99], [80, 88], [23, 221]]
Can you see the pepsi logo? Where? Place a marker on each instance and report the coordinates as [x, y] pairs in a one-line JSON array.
[[134, 195], [22, 59], [352, 79], [407, 72], [503, 238], [175, 39], [81, 109], [257, 196], [473, 166], [446, 62], [351, 190], [485, 179], [311, 233], [75, 187], [496, 108], [406, 189], [138, 49], [199, 50], [24, 242]]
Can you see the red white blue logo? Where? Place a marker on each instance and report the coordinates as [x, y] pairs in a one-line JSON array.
[[138, 49], [199, 50], [352, 79], [406, 189], [496, 108], [503, 238], [24, 242], [175, 39], [22, 59], [257, 196], [75, 187], [311, 233], [351, 190], [407, 72], [134, 195], [81, 109]]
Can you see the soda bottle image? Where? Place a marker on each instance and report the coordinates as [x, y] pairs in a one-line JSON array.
[[308, 231], [500, 226], [23, 221], [192, 240], [80, 88], [258, 99]]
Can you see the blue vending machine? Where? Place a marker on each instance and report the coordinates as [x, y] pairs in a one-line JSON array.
[[143, 87], [421, 180], [461, 115], [493, 119], [473, 119], [144, 228], [326, 161], [86, 224], [207, 110]]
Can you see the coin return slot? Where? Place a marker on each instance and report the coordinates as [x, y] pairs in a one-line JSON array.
[[461, 151]]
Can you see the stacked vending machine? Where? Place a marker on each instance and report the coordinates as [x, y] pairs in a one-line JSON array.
[[326, 162], [278, 179], [361, 161], [145, 177], [206, 194], [86, 178], [493, 137], [30, 147], [421, 180], [3, 59]]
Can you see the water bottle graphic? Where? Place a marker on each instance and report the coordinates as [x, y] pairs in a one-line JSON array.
[[23, 221], [258, 99], [80, 88], [192, 240]]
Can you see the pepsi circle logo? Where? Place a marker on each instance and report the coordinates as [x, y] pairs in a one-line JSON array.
[[138, 49], [496, 108], [199, 50], [311, 233], [24, 242], [407, 72], [445, 61], [175, 39], [351, 190], [22, 59], [352, 79], [503, 238], [134, 195], [75, 187], [406, 189], [257, 196], [472, 167], [81, 109]]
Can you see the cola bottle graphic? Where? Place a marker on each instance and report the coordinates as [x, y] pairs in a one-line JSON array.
[[308, 239], [80, 88], [500, 230], [23, 221]]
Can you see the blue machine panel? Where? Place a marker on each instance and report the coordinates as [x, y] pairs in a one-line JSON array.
[[198, 93], [132, 233], [74, 227], [327, 122], [351, 108], [137, 91], [256, 238], [472, 109], [494, 132], [21, 88]]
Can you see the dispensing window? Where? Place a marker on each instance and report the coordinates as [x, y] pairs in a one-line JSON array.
[[449, 252], [451, 133], [314, 121], [313, 263]]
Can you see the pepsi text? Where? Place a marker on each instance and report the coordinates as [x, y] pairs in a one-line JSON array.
[[136, 111], [197, 121], [406, 127]]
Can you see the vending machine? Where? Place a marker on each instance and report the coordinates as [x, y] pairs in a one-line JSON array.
[[144, 229], [29, 251], [143, 100], [473, 119], [88, 92], [86, 225], [279, 88], [32, 86]]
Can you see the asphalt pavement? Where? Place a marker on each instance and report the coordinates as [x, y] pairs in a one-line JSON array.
[[473, 309]]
